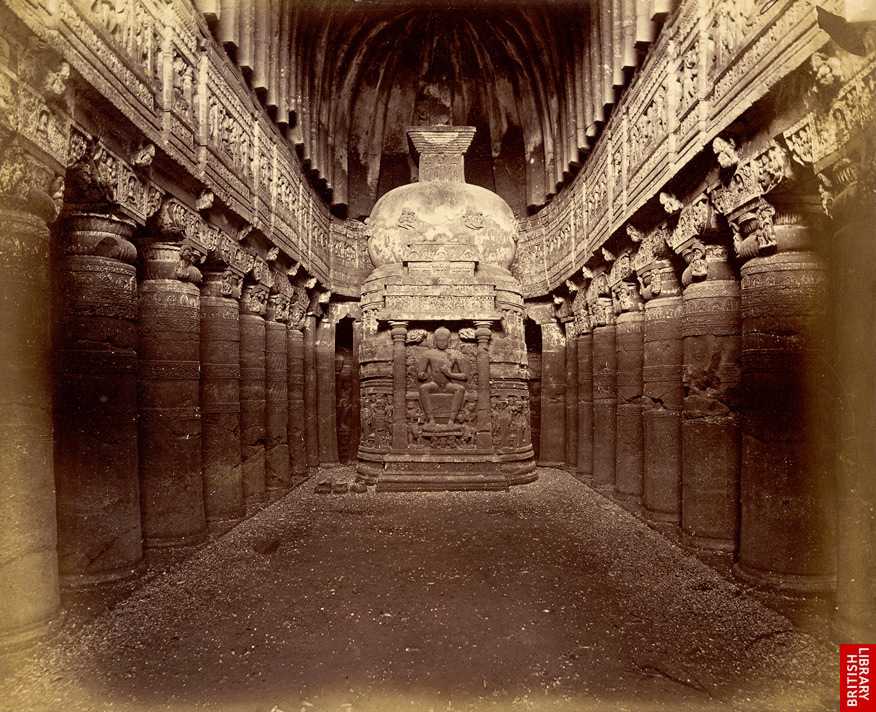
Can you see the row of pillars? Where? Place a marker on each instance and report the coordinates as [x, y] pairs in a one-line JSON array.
[[725, 409], [180, 404]]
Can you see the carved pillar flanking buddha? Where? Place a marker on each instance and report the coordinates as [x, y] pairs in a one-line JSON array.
[[326, 403], [552, 452], [311, 432], [96, 470], [584, 466], [711, 375], [220, 399], [852, 256], [295, 386], [172, 492], [661, 381], [277, 475], [786, 503], [253, 394], [398, 332], [572, 404], [28, 535], [629, 319], [604, 384]]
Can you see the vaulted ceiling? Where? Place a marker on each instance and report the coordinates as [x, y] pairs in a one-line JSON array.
[[346, 77]]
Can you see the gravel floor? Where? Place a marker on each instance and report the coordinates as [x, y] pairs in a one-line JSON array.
[[548, 597]]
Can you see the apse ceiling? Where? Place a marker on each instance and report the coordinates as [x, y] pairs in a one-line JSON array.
[[346, 78]]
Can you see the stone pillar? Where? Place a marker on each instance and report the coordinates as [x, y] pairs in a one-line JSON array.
[[662, 394], [277, 476], [220, 400], [571, 395], [483, 333], [787, 517], [399, 331], [297, 412], [629, 453], [710, 423], [604, 401], [311, 432], [584, 468], [96, 474], [326, 400], [853, 284], [355, 396], [169, 360], [28, 534], [253, 394], [552, 452]]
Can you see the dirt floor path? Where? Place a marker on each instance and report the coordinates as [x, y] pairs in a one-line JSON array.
[[548, 597]]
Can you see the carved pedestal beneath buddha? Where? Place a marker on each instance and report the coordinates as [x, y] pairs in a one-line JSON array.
[[444, 399]]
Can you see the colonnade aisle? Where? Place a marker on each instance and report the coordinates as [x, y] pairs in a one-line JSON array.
[[548, 597]]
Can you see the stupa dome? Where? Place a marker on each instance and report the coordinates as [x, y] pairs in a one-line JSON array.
[[442, 217]]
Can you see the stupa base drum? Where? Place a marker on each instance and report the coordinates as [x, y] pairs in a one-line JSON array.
[[444, 400]]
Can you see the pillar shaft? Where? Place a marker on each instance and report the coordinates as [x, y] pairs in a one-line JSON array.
[[585, 406], [661, 409], [786, 518], [484, 417], [552, 452], [311, 432], [297, 413], [355, 395], [28, 536], [253, 394], [572, 404], [220, 401], [169, 392], [628, 457], [277, 475], [98, 490], [326, 400], [399, 330], [710, 427], [604, 406], [852, 287]]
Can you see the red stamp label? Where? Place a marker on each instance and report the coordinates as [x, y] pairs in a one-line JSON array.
[[856, 674]]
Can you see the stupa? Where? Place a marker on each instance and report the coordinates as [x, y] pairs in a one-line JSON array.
[[443, 362]]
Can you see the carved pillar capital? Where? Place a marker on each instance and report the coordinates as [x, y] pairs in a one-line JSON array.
[[100, 236], [222, 283], [26, 183], [398, 330], [483, 331], [254, 299], [278, 308]]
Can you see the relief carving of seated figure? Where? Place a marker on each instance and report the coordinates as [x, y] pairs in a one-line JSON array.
[[441, 372]]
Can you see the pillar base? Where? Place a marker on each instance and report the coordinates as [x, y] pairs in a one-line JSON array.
[[80, 582], [708, 544], [182, 542], [23, 638], [790, 583]]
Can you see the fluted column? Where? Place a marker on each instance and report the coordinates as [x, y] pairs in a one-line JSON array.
[[326, 401], [584, 468], [662, 394], [604, 396], [253, 394], [852, 281], [571, 395], [629, 449], [399, 331], [277, 473], [96, 472], [787, 513], [295, 386], [28, 534], [710, 422], [311, 423], [169, 392], [220, 399], [552, 452]]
